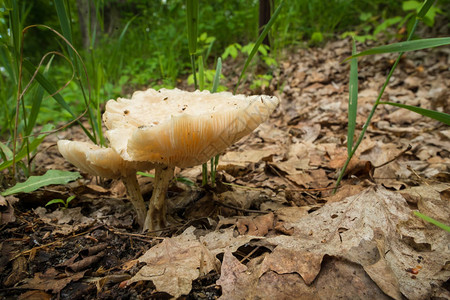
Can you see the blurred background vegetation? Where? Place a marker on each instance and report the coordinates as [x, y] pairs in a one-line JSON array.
[[134, 44]]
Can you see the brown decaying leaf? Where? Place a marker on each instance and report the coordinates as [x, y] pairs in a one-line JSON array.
[[64, 219], [35, 295], [258, 226], [368, 228], [19, 272], [174, 263], [51, 280], [7, 209]]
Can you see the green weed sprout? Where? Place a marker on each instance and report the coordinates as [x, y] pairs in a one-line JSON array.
[[399, 48], [432, 221], [192, 24], [17, 65], [61, 201]]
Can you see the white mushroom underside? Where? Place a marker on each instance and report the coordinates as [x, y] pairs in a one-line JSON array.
[[97, 161], [180, 128]]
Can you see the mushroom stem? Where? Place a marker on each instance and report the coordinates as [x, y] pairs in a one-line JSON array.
[[135, 196], [156, 215]]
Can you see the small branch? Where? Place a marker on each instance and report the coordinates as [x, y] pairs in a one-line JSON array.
[[395, 158], [240, 209]]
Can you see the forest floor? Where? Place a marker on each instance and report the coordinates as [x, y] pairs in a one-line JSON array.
[[272, 227]]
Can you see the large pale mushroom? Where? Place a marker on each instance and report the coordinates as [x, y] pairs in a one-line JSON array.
[[177, 128], [106, 163]]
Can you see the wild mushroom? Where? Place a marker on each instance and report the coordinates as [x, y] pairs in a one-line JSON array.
[[106, 163], [177, 128]]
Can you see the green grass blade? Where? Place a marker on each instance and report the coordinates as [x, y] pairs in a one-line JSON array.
[[192, 24], [48, 86], [192, 32], [425, 8], [201, 73], [24, 151], [215, 160], [51, 89], [56, 201], [258, 43], [115, 62], [432, 221], [181, 179], [35, 182], [405, 46], [352, 99], [439, 116], [216, 80], [16, 28], [64, 22], [36, 102]]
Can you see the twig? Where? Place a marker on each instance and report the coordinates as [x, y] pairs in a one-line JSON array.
[[395, 158], [57, 241], [248, 255], [136, 235], [240, 209]]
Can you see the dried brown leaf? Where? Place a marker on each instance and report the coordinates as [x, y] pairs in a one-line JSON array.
[[173, 264]]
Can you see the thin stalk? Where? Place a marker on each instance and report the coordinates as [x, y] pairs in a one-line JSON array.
[[372, 112], [157, 209], [135, 196], [194, 71]]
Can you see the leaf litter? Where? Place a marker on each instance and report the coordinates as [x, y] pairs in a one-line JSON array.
[[272, 227]]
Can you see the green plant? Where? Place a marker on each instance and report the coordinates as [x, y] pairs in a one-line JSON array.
[[399, 48], [35, 182], [261, 81], [29, 83], [181, 179], [61, 201], [192, 25], [371, 27], [432, 221]]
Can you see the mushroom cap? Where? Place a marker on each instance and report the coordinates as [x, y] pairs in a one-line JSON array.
[[104, 162], [179, 128]]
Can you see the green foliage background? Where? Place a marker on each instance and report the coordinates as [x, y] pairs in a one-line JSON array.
[[138, 43]]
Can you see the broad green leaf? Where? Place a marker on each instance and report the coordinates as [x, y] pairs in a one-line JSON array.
[[432, 221], [352, 99], [35, 182], [258, 42], [405, 46], [411, 5], [439, 116]]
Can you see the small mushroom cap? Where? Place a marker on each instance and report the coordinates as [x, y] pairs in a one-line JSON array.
[[179, 128], [104, 162]]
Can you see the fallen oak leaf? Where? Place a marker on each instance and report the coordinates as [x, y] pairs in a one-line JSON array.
[[258, 226], [235, 279], [285, 261], [173, 264], [51, 280]]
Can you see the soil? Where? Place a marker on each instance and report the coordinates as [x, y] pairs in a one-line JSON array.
[[94, 248]]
